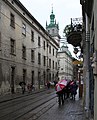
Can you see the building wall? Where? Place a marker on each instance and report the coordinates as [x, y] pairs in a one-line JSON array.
[[95, 48], [89, 45], [9, 61]]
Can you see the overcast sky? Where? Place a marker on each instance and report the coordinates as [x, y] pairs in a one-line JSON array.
[[64, 10]]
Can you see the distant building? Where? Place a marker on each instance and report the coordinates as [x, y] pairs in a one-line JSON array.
[[27, 52], [64, 56], [65, 63]]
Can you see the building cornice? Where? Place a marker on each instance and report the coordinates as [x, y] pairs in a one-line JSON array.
[[32, 18]]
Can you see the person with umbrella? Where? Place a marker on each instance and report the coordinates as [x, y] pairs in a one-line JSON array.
[[22, 84], [60, 97], [68, 89], [60, 90]]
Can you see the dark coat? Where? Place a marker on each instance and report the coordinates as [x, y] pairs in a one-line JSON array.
[[73, 88]]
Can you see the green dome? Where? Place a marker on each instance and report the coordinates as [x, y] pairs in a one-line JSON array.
[[64, 46]]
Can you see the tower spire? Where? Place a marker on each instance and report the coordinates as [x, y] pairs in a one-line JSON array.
[[52, 17], [53, 27], [52, 8]]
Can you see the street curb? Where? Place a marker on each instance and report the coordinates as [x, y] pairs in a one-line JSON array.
[[9, 97]]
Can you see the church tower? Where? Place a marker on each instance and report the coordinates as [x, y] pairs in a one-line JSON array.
[[53, 28]]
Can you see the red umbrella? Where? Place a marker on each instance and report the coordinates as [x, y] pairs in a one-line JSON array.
[[71, 83], [63, 82], [60, 85]]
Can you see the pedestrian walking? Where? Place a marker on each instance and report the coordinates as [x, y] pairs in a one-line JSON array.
[[55, 82], [73, 88], [64, 92], [60, 97], [23, 88], [48, 84], [22, 84], [60, 88], [68, 90], [29, 87]]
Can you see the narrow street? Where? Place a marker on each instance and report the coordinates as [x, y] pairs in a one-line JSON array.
[[71, 110], [40, 106]]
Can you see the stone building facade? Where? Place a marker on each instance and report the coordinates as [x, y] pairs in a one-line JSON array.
[[27, 51], [65, 63]]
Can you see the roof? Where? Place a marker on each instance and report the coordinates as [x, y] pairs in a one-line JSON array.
[[63, 50], [29, 14]]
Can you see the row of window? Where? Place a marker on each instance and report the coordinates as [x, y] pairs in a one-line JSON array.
[[12, 24], [13, 52], [24, 75]]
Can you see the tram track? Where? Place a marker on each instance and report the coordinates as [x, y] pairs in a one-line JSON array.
[[19, 96], [36, 113], [17, 108], [17, 100]]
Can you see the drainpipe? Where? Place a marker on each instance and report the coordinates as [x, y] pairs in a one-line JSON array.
[[87, 100], [47, 64]]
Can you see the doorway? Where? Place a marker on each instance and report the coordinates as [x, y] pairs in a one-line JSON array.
[[12, 79]]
